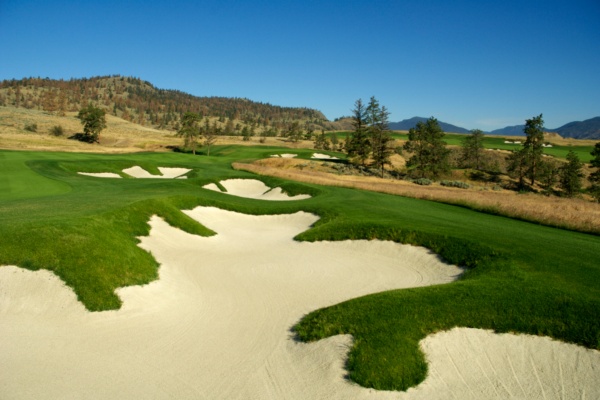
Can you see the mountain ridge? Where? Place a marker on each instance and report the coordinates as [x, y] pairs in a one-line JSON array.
[[407, 124], [586, 129]]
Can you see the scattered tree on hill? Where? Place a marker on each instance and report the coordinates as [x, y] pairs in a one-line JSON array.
[[309, 129], [335, 142], [595, 176], [358, 145], [571, 174], [321, 141], [472, 150], [517, 167], [293, 132], [189, 130], [533, 146], [430, 155], [378, 125], [93, 120], [229, 128], [548, 175], [210, 137]]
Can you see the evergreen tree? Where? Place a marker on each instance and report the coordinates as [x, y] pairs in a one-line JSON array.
[[595, 176], [245, 134], [210, 138], [517, 167], [430, 155], [571, 174], [472, 150], [320, 141], [335, 142], [294, 133], [548, 175], [358, 145], [189, 130], [534, 130], [380, 134]]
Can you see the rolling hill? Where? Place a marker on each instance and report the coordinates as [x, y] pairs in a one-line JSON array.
[[407, 124], [139, 101], [588, 129]]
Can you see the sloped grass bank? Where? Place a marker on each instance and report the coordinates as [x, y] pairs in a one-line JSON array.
[[522, 277]]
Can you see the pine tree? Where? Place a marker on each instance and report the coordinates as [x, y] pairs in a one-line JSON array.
[[595, 176], [359, 144], [571, 174], [517, 167], [380, 134], [430, 155], [472, 149], [534, 130], [189, 130]]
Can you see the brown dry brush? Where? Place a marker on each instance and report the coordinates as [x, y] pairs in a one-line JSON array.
[[573, 214]]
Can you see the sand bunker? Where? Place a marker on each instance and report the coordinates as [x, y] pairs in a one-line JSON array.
[[167, 173], [320, 156], [253, 189], [216, 325], [138, 172], [284, 155], [101, 174]]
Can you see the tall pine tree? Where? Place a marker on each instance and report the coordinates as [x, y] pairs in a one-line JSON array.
[[359, 143], [430, 155]]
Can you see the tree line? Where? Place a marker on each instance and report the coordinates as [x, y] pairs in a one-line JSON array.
[[370, 143]]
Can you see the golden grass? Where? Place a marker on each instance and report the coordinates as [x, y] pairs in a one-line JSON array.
[[575, 214], [120, 136]]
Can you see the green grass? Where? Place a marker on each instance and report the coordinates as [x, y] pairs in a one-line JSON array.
[[522, 277]]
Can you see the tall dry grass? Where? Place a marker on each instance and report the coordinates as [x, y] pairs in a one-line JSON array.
[[575, 214]]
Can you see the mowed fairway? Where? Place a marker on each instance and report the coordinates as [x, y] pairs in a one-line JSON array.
[[521, 277]]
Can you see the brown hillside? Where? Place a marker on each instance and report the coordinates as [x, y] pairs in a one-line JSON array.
[[135, 100]]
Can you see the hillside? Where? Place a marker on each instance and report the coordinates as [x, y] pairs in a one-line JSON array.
[[407, 124], [588, 129], [139, 101], [515, 130]]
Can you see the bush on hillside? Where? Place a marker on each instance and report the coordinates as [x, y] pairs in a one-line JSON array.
[[31, 127], [57, 130], [422, 181], [457, 184]]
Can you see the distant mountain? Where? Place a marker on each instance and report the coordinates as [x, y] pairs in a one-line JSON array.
[[412, 122], [515, 130], [588, 129]]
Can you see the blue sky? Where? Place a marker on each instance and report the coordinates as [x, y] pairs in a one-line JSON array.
[[477, 64]]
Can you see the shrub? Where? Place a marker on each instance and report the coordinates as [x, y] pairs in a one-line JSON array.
[[422, 181], [457, 184], [31, 127], [57, 130]]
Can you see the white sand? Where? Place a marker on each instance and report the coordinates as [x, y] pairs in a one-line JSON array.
[[286, 155], [320, 156], [216, 325], [138, 172], [101, 174], [254, 189], [167, 173]]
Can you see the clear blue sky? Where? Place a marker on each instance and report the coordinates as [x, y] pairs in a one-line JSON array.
[[477, 64]]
